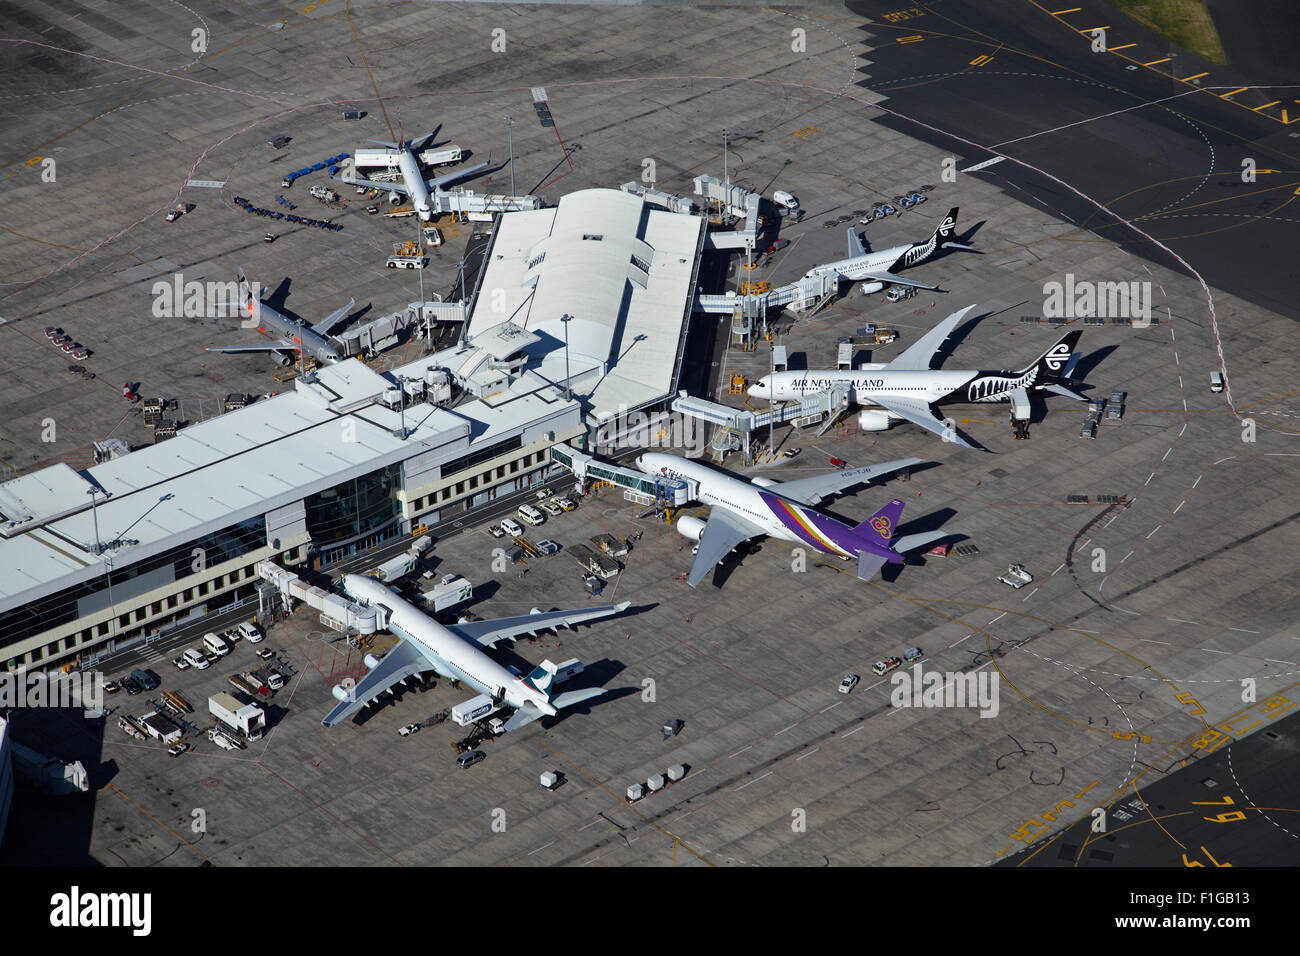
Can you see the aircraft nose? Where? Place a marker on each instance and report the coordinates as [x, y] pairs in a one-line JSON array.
[[758, 390]]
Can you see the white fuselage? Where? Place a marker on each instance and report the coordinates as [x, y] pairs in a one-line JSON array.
[[733, 495], [859, 267], [451, 656], [414, 181], [927, 386]]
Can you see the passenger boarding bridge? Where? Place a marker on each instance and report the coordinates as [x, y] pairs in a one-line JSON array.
[[742, 422], [636, 485]]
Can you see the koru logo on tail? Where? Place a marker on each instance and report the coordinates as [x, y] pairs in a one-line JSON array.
[[946, 229], [1057, 357]]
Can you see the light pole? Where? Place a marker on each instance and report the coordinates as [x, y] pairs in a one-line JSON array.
[[510, 132], [568, 390], [94, 514]]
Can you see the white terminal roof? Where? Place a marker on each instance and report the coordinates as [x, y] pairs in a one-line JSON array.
[[621, 268], [228, 469]]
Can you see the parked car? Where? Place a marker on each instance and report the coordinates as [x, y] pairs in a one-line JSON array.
[[551, 508], [511, 527], [913, 654], [111, 687], [147, 679], [881, 668], [850, 681], [566, 504], [466, 760], [130, 686]]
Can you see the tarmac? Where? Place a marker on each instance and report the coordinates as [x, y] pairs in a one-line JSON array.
[[1124, 659]]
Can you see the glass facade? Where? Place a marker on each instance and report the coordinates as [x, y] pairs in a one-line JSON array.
[[354, 508]]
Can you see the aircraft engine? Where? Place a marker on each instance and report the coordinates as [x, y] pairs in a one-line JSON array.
[[868, 287], [342, 693], [689, 527], [871, 420], [394, 198], [371, 661], [765, 482], [284, 359]]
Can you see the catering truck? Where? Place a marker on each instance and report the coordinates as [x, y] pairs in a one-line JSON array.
[[248, 719]]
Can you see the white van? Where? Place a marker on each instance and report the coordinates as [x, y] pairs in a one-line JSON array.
[[215, 644], [531, 514], [1216, 381], [250, 632], [783, 198], [197, 659]]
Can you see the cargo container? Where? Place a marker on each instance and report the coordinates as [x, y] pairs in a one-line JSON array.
[[248, 719], [475, 709]]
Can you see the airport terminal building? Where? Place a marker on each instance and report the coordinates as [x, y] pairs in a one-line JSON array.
[[94, 560]]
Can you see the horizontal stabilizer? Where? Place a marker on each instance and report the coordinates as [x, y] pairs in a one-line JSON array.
[[869, 565], [1062, 390], [910, 542], [574, 697], [523, 716], [384, 143]]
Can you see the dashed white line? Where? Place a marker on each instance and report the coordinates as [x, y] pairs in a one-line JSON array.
[[780, 732], [999, 617], [1272, 660], [1180, 504], [954, 644], [1149, 477], [755, 780], [1147, 640], [541, 848], [741, 751], [1210, 650], [1053, 574], [1179, 620], [1198, 480], [1181, 430], [1180, 381], [854, 731], [832, 706], [1222, 460], [1153, 531], [1029, 595], [808, 754], [1166, 454], [1243, 630]]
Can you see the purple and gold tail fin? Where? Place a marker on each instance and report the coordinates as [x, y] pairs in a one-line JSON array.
[[880, 526]]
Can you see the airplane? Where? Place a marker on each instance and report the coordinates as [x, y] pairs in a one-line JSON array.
[[906, 388], [416, 188], [295, 335], [876, 269], [743, 509], [454, 653]]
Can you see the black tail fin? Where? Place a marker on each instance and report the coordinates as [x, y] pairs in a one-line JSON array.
[[1052, 363], [947, 229]]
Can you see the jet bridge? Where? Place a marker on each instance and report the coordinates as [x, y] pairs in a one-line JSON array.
[[742, 422], [670, 491], [811, 290], [381, 333], [337, 612]]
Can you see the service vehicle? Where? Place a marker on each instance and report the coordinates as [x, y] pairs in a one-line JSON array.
[[250, 632], [467, 760], [531, 515], [1115, 410], [130, 686], [566, 504], [248, 719], [1016, 576], [177, 749], [215, 645], [495, 531], [176, 213], [881, 668], [791, 452], [265, 653], [850, 681], [408, 730], [181, 663], [785, 199], [546, 547], [270, 237], [1216, 381], [900, 292], [551, 508], [197, 659], [913, 654], [147, 679], [111, 687], [511, 527], [221, 740]]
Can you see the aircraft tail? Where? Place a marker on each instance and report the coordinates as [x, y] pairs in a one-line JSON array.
[[541, 678], [1052, 363], [944, 235], [880, 527]]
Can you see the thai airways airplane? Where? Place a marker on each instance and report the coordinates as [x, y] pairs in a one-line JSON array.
[[295, 336], [414, 186], [875, 270], [454, 652], [741, 510], [906, 388]]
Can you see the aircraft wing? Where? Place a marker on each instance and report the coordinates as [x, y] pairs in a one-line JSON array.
[[398, 188], [324, 325], [918, 412], [280, 345], [487, 633], [921, 353], [856, 248], [401, 662], [809, 491], [436, 184], [722, 533], [895, 278], [385, 143]]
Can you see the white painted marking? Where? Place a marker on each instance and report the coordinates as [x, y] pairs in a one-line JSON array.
[[1180, 504], [854, 731], [207, 183], [1179, 620], [1166, 454], [832, 706], [541, 848], [1149, 641], [741, 751], [967, 637], [984, 165], [1211, 650], [1153, 531], [1272, 660], [1222, 460], [1175, 355], [1198, 480], [998, 618], [755, 780], [780, 732], [1053, 574], [1181, 430], [1243, 630], [808, 754], [1029, 595], [1180, 381]]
